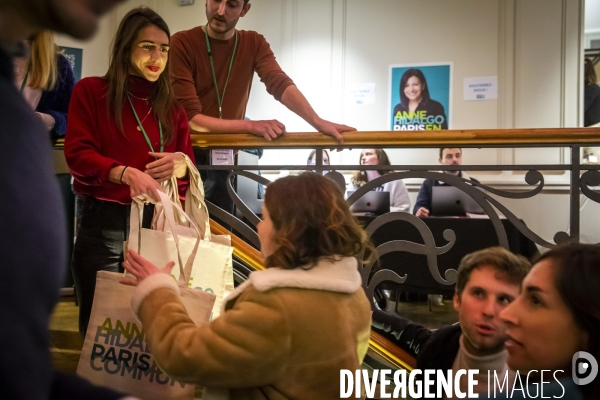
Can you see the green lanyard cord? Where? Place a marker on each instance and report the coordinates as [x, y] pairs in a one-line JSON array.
[[162, 144], [24, 81], [220, 98]]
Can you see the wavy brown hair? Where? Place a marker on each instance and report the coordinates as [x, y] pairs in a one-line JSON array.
[[359, 178], [161, 96], [311, 221]]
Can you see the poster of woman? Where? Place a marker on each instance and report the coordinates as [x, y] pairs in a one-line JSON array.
[[420, 97]]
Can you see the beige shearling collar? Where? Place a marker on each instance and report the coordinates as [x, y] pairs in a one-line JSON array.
[[340, 276]]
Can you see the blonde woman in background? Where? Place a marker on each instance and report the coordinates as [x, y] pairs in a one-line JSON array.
[[46, 81]]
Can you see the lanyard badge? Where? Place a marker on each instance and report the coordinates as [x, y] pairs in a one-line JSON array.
[[220, 97]]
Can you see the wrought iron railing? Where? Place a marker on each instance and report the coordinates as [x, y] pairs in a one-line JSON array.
[[582, 179]]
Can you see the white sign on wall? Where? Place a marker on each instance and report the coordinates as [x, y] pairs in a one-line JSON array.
[[482, 88], [361, 93]]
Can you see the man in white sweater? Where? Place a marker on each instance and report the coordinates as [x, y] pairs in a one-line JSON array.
[[488, 280]]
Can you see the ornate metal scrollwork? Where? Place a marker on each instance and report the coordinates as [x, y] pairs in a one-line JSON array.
[[481, 194], [428, 248], [590, 178]]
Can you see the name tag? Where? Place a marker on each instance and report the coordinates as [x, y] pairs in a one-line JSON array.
[[221, 157]]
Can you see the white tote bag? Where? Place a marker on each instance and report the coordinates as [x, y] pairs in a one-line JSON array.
[[213, 269], [115, 352]]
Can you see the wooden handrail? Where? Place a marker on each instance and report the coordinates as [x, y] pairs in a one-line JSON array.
[[484, 137], [379, 344], [390, 352], [461, 138], [241, 249]]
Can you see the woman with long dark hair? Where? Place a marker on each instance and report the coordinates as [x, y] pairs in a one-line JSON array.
[[399, 200], [126, 136], [556, 316], [288, 330], [417, 110]]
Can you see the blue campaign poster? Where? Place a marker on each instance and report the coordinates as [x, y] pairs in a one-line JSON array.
[[420, 96], [75, 57]]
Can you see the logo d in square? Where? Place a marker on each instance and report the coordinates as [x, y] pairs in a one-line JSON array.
[[584, 368]]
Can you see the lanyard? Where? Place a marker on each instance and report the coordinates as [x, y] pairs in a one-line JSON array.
[[212, 68], [162, 144], [24, 82]]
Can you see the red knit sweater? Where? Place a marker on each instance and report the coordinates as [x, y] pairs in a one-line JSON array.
[[94, 145]]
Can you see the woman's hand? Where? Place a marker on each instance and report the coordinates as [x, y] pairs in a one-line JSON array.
[[141, 268], [166, 166], [141, 184]]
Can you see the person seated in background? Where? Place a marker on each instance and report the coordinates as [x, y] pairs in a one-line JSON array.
[[488, 280], [448, 156], [45, 78], [334, 176], [399, 200], [312, 158], [557, 315], [289, 329]]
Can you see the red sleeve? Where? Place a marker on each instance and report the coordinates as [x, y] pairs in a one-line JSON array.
[[180, 59], [82, 141], [269, 71], [184, 145]]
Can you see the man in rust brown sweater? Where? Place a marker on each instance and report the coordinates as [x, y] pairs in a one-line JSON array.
[[212, 68]]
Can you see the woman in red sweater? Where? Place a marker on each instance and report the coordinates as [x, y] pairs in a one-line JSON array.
[[126, 135]]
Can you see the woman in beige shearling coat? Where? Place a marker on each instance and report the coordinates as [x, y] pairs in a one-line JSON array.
[[288, 330]]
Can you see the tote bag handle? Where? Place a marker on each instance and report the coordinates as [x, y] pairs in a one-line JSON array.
[[195, 207], [137, 207]]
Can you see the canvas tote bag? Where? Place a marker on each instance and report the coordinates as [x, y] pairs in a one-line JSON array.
[[213, 268], [115, 352]]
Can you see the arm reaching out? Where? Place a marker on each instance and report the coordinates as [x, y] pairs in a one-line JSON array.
[[269, 129]]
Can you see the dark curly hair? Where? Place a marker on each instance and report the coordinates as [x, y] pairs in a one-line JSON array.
[[311, 221]]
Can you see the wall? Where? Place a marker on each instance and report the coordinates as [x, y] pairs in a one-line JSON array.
[[533, 46], [325, 45]]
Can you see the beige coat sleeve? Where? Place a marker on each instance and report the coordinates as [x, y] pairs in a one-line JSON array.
[[248, 345]]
